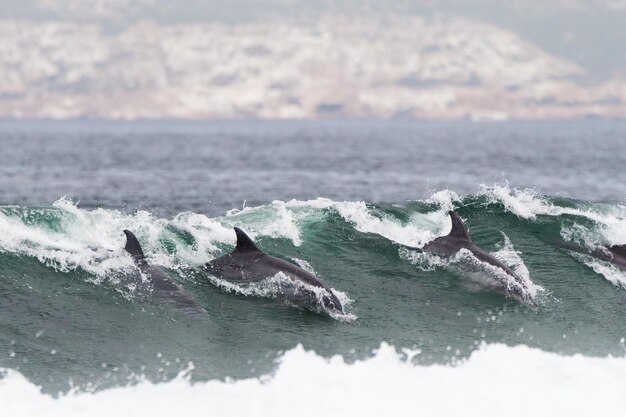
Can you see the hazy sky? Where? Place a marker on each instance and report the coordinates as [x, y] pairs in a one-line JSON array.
[[589, 32]]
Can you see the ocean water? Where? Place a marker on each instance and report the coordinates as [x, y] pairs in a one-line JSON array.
[[80, 333]]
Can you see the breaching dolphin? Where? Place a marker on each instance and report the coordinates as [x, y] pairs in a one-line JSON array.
[[163, 287], [247, 263], [458, 239]]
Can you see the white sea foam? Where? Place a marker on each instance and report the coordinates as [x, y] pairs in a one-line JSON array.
[[304, 265], [527, 204], [420, 229], [610, 272], [92, 240], [491, 277], [423, 260], [513, 258], [445, 199], [82, 242], [274, 220], [496, 380]]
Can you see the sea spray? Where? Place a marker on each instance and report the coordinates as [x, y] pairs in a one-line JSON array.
[[495, 380]]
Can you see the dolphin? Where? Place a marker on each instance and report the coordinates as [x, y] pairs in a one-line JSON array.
[[247, 263], [615, 254], [459, 238], [163, 287]]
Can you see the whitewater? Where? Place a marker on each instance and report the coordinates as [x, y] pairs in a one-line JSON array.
[[495, 380]]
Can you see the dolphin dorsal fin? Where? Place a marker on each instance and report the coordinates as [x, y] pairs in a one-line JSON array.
[[134, 248], [458, 227], [244, 243], [619, 249]]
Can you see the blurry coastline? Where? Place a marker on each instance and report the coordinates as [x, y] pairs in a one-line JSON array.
[[129, 60]]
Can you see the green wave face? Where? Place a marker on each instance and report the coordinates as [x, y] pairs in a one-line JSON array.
[[72, 304]]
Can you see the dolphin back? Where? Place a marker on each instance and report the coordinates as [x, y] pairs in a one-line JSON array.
[[618, 250], [244, 243], [248, 263], [164, 288], [134, 248], [451, 243], [459, 230]]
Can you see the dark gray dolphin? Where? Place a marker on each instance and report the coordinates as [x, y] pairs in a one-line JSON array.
[[618, 255], [458, 239], [614, 254], [163, 288], [247, 263]]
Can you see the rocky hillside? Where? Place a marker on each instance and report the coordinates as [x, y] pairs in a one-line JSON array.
[[384, 67]]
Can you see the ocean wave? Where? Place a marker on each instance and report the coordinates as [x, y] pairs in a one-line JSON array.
[[528, 204], [496, 380], [67, 237]]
